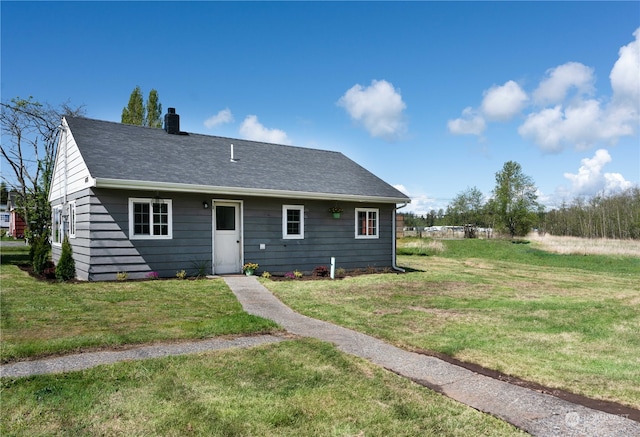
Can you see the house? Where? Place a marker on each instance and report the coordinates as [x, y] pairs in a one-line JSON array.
[[4, 218], [17, 226], [138, 200]]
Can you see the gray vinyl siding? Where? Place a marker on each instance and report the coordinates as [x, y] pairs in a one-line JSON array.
[[324, 237], [102, 247], [80, 244], [112, 251]]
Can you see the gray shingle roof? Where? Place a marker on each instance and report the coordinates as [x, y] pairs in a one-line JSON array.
[[117, 151]]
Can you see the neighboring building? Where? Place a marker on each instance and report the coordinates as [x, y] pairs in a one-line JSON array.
[[138, 200], [4, 217], [17, 225]]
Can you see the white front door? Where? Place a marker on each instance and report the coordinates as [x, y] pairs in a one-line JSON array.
[[227, 233]]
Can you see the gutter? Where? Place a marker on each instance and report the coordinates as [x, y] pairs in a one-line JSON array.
[[236, 191], [393, 239]]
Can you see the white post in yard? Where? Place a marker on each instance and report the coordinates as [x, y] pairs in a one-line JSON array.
[[333, 267]]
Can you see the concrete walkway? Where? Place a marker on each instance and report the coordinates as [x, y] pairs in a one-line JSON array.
[[534, 412], [531, 411]]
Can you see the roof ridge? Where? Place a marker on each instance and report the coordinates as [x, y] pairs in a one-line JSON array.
[[208, 135]]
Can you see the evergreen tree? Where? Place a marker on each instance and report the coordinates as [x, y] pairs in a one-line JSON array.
[[66, 268]]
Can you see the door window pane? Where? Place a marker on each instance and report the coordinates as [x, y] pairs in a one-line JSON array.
[[225, 218]]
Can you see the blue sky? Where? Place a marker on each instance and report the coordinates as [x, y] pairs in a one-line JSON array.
[[433, 97]]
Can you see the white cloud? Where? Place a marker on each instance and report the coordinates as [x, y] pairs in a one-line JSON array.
[[252, 129], [421, 204], [568, 113], [502, 103], [378, 107], [590, 180], [471, 123], [223, 116], [625, 74], [555, 88], [552, 128], [401, 188]]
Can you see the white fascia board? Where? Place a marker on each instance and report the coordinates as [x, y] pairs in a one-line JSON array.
[[237, 191]]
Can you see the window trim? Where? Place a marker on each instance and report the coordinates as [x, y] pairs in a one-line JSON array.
[[57, 237], [377, 228], [150, 202], [285, 222], [71, 211]]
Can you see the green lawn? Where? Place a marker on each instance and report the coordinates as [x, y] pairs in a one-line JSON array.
[[294, 388], [40, 318], [571, 322]]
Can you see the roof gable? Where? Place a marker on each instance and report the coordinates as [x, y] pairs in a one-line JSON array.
[[119, 152]]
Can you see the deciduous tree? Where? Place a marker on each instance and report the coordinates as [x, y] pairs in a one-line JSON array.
[[514, 203], [29, 139], [137, 113], [134, 113], [154, 110]]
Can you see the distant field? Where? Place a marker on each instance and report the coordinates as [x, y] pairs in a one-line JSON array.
[[587, 246]]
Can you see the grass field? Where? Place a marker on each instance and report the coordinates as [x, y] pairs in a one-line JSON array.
[[41, 318], [293, 388], [565, 321]]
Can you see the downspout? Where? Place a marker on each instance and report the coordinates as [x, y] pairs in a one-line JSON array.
[[393, 239]]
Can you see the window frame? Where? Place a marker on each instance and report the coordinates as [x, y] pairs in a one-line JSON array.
[[71, 213], [285, 222], [368, 211], [57, 226], [150, 201]]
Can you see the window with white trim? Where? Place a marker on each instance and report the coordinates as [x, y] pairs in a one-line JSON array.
[[293, 222], [150, 218], [57, 228], [367, 225], [71, 209]]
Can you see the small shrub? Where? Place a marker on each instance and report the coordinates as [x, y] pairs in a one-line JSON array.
[[201, 267], [122, 276], [297, 274], [152, 275], [39, 254], [371, 270], [340, 272], [266, 275], [66, 268], [181, 274], [290, 275], [321, 271]]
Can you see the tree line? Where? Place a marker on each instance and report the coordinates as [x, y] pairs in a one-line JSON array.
[[614, 215]]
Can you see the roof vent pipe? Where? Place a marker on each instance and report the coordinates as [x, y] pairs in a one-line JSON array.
[[172, 122]]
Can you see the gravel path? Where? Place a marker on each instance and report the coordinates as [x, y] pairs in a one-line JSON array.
[[69, 363]]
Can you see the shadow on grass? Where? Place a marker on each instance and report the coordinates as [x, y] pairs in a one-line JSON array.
[[14, 255], [411, 270]]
